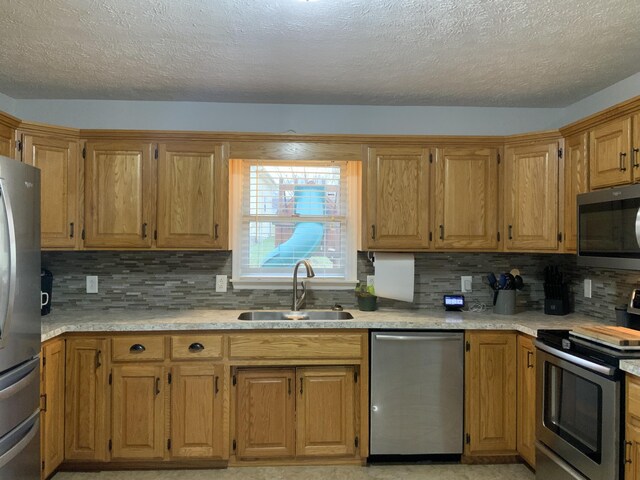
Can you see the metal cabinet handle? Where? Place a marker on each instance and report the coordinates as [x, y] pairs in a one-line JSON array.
[[529, 356], [215, 231], [441, 232], [635, 157], [215, 383], [44, 402], [98, 359], [289, 382], [510, 232], [301, 384], [196, 347], [627, 458], [622, 163], [144, 230], [71, 230], [373, 232], [137, 348], [157, 385]]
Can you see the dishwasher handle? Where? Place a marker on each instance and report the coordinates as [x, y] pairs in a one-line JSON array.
[[417, 338]]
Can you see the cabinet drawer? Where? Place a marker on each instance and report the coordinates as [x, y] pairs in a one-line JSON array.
[[289, 346], [633, 396], [194, 347], [138, 348]]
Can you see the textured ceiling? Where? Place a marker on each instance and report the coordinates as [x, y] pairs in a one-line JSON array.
[[384, 52]]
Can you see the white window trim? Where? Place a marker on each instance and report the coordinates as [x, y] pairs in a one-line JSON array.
[[354, 186]]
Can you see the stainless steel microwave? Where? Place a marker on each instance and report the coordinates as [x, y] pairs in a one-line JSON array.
[[609, 228]]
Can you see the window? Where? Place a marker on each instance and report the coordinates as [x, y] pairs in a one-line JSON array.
[[284, 212]]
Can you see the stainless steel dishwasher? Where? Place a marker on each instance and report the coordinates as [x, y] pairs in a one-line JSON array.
[[417, 391]]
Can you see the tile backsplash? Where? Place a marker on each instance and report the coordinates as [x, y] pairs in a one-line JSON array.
[[186, 280]]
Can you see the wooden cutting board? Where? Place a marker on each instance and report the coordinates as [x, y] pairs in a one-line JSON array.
[[620, 336]]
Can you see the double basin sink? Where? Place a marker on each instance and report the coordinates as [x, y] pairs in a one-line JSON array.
[[301, 315]]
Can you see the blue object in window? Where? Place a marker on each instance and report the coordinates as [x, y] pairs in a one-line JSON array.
[[309, 200]]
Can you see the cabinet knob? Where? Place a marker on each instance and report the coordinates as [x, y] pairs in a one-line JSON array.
[[137, 348], [196, 347]]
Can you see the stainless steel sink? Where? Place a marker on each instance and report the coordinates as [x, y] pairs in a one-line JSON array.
[[302, 315]]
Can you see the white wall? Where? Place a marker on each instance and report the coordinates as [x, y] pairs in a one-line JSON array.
[[344, 119], [605, 98], [7, 104]]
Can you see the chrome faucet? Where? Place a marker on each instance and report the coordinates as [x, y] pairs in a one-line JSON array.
[[298, 301]]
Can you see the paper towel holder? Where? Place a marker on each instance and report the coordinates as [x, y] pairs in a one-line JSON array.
[[371, 256]]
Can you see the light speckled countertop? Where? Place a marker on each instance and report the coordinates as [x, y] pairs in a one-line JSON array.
[[630, 366], [61, 321]]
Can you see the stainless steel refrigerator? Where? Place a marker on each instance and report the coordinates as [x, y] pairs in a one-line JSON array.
[[19, 321]]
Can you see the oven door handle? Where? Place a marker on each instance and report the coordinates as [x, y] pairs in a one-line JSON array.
[[581, 362], [638, 227]]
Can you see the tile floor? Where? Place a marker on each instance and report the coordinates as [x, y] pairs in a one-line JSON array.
[[387, 472]]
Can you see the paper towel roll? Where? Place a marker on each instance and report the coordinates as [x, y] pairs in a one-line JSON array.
[[394, 276]]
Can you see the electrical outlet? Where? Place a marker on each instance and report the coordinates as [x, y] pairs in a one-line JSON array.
[[466, 283], [587, 288], [221, 283], [371, 280], [92, 284]]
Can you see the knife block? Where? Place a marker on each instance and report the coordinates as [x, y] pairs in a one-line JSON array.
[[558, 305]]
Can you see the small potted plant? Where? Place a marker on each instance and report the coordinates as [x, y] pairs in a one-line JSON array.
[[366, 296]]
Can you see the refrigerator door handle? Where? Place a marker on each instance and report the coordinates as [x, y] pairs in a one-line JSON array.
[[14, 381], [11, 228], [19, 438]]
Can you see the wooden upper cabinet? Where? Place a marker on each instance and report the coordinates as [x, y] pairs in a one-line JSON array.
[[466, 198], [193, 190], [635, 150], [197, 392], [52, 431], [396, 198], [610, 154], [265, 413], [576, 181], [138, 412], [531, 197], [58, 163], [86, 436], [325, 411], [526, 396], [490, 393], [120, 193], [7, 141]]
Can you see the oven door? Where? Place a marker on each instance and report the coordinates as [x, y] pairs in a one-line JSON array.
[[578, 412]]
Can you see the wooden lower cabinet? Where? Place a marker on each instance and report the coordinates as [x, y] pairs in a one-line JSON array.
[[265, 413], [197, 415], [52, 416], [138, 412], [86, 405], [303, 412], [526, 399], [632, 429], [490, 393]]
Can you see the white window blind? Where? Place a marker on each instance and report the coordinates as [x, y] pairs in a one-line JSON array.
[[292, 211]]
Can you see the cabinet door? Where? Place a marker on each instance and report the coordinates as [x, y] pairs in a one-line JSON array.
[[632, 449], [86, 436], [196, 411], [265, 413], [575, 183], [466, 198], [7, 141], [526, 396], [193, 181], [609, 154], [58, 164], [531, 197], [138, 412], [635, 152], [396, 204], [52, 430], [325, 411], [119, 195], [490, 401]]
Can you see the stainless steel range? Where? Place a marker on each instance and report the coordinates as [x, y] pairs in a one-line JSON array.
[[580, 405]]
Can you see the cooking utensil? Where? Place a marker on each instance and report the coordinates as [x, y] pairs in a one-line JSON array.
[[493, 282], [503, 281], [515, 271], [519, 283]]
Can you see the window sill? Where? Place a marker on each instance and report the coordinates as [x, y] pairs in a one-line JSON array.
[[287, 284]]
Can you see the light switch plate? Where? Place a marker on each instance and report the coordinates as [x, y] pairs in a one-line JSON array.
[[221, 283], [466, 283], [587, 288], [92, 284]]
